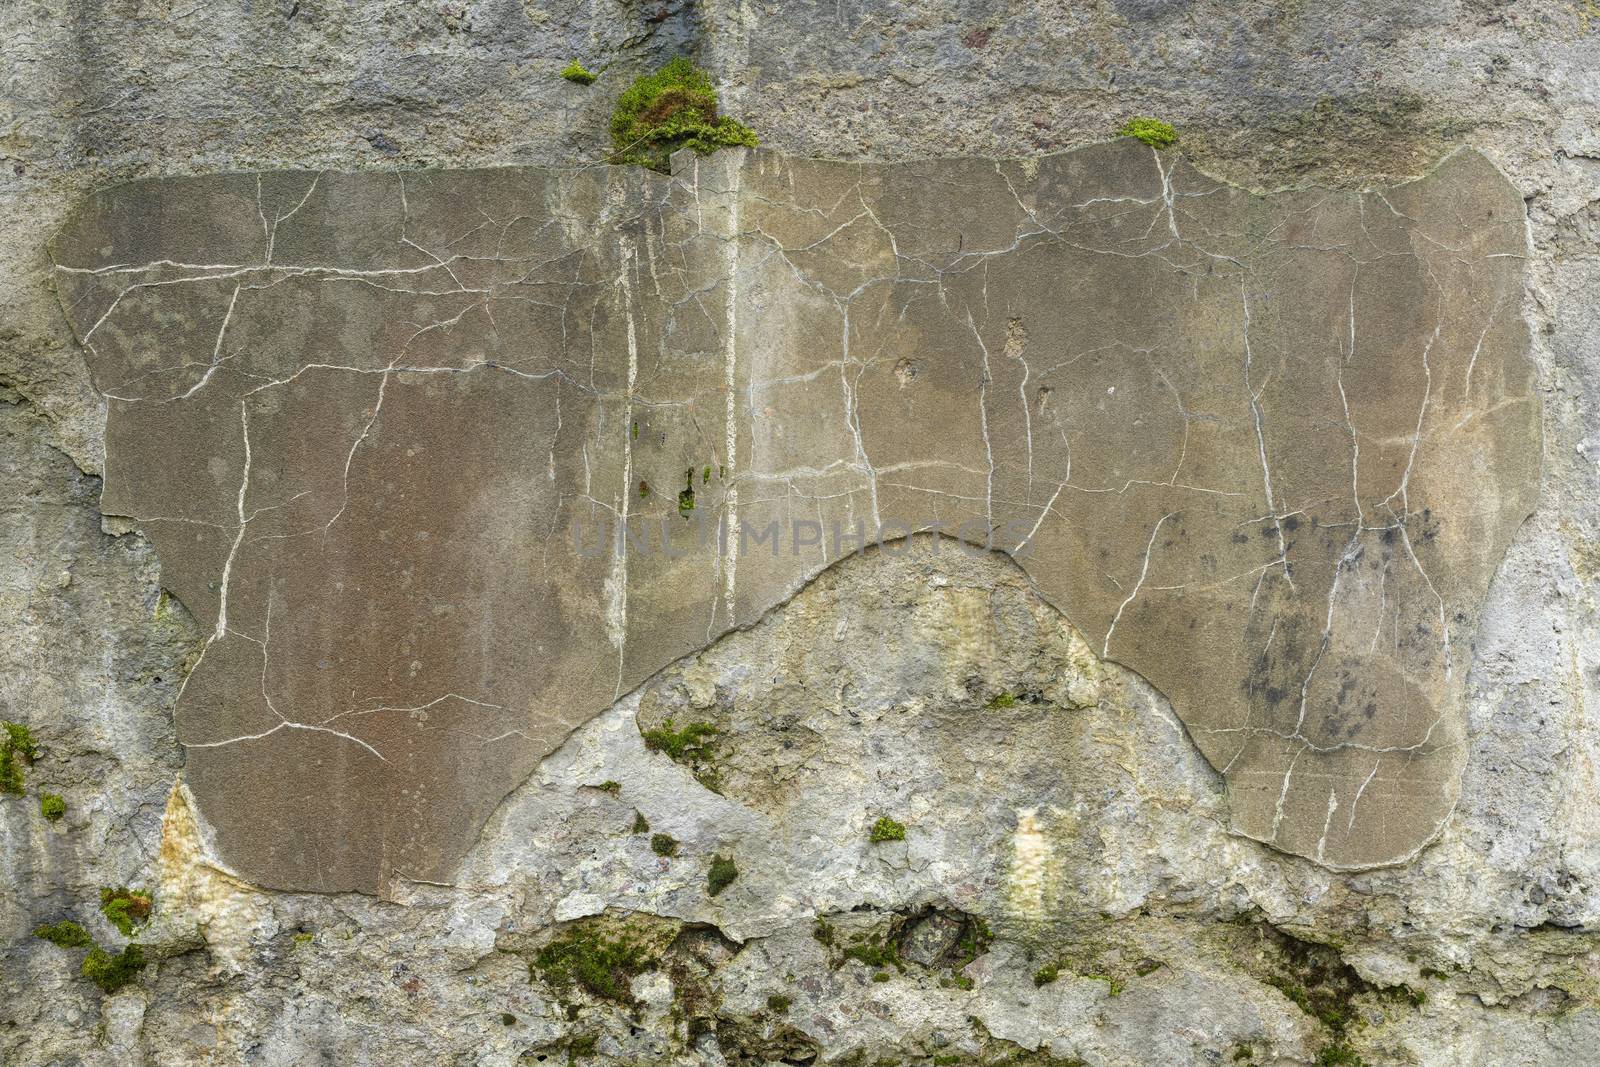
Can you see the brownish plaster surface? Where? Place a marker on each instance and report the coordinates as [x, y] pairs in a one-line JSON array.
[[1267, 451]]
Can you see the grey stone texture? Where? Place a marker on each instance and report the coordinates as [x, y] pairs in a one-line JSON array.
[[1082, 824]]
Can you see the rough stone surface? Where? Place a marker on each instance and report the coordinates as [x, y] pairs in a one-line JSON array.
[[1493, 921], [1265, 451]]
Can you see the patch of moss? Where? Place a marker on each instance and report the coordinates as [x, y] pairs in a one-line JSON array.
[[641, 825], [1339, 1054], [51, 806], [17, 750], [779, 1003], [882, 976], [507, 1019], [304, 938], [1153, 132], [1047, 974], [125, 908], [694, 740], [112, 973], [721, 874], [1004, 700], [600, 964], [886, 829], [686, 496], [608, 786], [674, 108], [976, 937], [875, 951], [694, 746], [65, 934], [823, 932], [576, 72], [1113, 986], [664, 844]]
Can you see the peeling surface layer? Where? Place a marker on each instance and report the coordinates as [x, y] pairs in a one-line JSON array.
[[1266, 451]]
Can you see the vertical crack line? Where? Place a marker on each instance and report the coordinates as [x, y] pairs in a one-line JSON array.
[[1283, 794], [1327, 821], [1105, 647], [983, 421], [730, 387], [238, 538], [1261, 439], [1355, 440], [216, 350], [617, 584]]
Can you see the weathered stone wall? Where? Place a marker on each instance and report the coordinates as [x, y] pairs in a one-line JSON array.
[[1092, 842]]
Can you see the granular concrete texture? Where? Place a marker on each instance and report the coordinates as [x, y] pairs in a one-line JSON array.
[[1058, 818]]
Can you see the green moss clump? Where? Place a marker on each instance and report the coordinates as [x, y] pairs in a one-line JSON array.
[[779, 1003], [875, 951], [125, 908], [110, 972], [51, 806], [664, 845], [882, 976], [608, 786], [600, 965], [65, 934], [1004, 700], [1114, 987], [976, 937], [886, 829], [641, 825], [1047, 974], [686, 497], [1339, 1054], [695, 741], [576, 72], [17, 749], [676, 107], [1153, 132], [721, 874], [694, 746]]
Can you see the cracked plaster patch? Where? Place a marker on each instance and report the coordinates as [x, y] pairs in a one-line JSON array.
[[1267, 451]]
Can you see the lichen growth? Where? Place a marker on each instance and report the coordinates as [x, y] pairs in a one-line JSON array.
[[52, 806], [664, 845], [887, 829], [125, 908], [17, 749], [65, 934], [721, 874], [112, 972], [577, 72], [1153, 132], [674, 108]]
